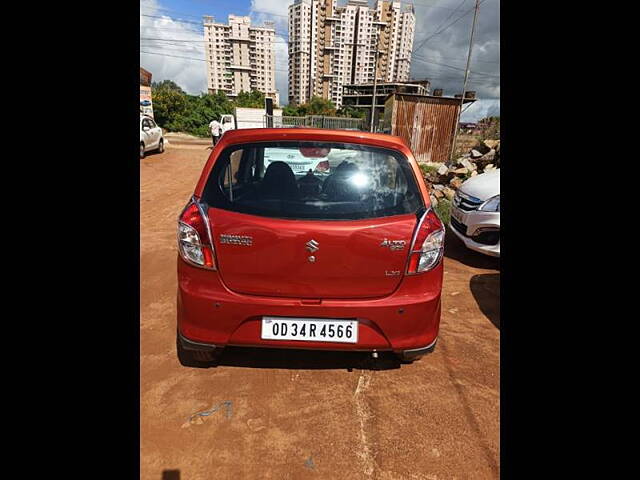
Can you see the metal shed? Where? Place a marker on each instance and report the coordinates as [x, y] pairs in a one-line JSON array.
[[427, 123]]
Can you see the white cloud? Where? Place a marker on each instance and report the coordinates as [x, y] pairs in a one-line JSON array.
[[481, 109], [448, 48], [190, 73], [276, 11], [271, 7], [442, 40]]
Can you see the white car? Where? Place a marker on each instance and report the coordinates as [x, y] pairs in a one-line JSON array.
[[150, 136], [475, 213]]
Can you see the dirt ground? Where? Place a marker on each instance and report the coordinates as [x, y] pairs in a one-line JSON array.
[[288, 414]]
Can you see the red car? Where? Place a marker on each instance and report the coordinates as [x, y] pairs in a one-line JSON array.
[[344, 258]]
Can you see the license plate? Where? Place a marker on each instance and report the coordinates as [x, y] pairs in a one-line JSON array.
[[310, 329], [457, 214]]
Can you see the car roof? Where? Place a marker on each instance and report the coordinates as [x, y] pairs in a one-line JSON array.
[[251, 135]]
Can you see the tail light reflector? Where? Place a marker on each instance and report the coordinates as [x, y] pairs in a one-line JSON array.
[[428, 245], [194, 241]]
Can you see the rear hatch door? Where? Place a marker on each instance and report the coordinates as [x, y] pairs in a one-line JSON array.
[[311, 259]]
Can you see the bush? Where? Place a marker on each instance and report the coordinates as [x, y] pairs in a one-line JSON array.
[[427, 169], [176, 111], [443, 209], [492, 132]]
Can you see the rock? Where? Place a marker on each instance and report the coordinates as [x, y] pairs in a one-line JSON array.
[[492, 144], [431, 178], [481, 147], [439, 187], [461, 171], [474, 173], [455, 182], [442, 169], [434, 200], [486, 159], [449, 193], [475, 153], [468, 165], [490, 155], [489, 167], [438, 194]]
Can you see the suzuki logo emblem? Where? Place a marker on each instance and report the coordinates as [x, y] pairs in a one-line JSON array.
[[313, 246]]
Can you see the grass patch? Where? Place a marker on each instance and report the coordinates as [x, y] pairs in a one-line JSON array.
[[443, 209], [427, 169]]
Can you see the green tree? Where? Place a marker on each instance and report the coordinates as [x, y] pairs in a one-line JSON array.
[[167, 85], [351, 112], [316, 106], [320, 106], [168, 106], [291, 110], [252, 99]]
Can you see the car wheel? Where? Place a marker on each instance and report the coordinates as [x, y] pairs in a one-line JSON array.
[[194, 358], [161, 146], [141, 150]]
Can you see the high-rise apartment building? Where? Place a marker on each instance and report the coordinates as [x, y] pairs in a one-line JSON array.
[[239, 57], [332, 46]]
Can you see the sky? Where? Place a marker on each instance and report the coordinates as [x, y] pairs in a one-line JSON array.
[[172, 45]]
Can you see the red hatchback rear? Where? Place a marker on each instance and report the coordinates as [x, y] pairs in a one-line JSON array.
[[309, 239]]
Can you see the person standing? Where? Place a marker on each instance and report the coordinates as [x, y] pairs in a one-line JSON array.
[[215, 129]]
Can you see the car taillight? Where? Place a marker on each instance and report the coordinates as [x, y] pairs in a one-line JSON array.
[[194, 243], [323, 166], [428, 244]]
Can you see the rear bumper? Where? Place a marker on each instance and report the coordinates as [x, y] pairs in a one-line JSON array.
[[209, 315]]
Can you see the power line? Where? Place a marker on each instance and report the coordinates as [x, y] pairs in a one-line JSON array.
[[443, 22], [191, 58], [174, 56], [193, 40], [455, 68], [443, 29], [431, 6], [184, 14], [167, 17]]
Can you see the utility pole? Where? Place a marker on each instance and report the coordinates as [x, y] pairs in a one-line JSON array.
[[375, 81], [466, 76], [375, 84]]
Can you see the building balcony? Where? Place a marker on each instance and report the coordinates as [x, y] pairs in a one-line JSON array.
[[240, 67]]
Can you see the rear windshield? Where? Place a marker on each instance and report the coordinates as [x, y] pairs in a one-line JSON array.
[[312, 180]]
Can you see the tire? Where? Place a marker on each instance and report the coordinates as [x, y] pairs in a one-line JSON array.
[[141, 150], [194, 358], [161, 146]]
